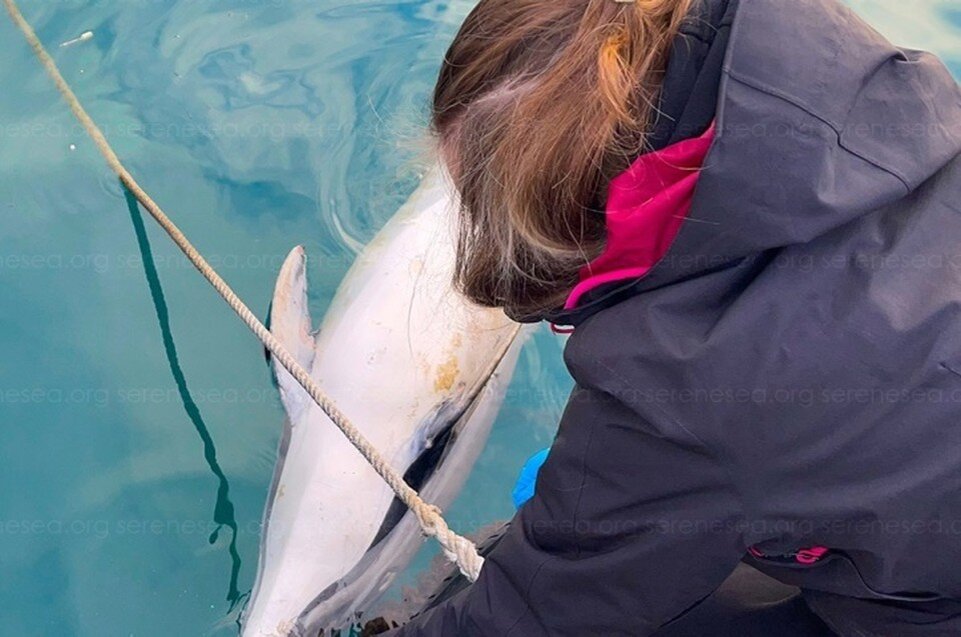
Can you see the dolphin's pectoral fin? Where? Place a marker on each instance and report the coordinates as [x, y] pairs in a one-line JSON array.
[[452, 415], [290, 323], [418, 473]]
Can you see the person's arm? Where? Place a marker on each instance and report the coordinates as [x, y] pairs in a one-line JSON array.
[[630, 525]]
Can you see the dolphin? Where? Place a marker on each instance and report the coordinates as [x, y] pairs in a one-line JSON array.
[[420, 370]]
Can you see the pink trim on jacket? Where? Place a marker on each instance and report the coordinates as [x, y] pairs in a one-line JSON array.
[[646, 205], [811, 555]]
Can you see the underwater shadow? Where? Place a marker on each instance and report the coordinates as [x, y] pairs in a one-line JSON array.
[[224, 508]]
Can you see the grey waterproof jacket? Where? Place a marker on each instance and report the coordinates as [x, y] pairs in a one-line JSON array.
[[784, 386]]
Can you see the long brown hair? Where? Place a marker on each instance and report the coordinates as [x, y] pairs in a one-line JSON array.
[[538, 104]]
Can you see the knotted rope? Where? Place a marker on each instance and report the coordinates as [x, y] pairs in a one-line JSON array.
[[458, 549]]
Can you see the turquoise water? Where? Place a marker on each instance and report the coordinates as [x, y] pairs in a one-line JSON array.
[[138, 422]]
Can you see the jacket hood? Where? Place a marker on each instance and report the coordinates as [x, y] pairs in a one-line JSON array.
[[819, 120]]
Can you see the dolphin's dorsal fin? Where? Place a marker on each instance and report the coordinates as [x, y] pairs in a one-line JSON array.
[[290, 323]]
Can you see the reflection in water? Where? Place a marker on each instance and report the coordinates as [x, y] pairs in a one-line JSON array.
[[224, 509]]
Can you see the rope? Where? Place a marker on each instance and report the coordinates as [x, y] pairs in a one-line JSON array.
[[458, 549]]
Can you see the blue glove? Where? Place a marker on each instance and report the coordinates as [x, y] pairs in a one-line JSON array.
[[524, 488]]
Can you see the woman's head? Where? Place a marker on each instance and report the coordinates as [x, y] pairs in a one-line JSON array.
[[538, 104]]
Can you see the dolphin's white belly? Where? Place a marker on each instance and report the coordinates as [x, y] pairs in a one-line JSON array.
[[403, 356]]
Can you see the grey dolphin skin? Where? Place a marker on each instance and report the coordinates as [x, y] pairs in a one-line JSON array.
[[420, 371]]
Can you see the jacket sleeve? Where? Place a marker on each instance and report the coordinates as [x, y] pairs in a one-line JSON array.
[[630, 525]]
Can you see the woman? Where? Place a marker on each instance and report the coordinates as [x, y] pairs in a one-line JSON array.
[[750, 213]]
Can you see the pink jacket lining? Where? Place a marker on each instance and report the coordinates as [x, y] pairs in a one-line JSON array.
[[646, 205]]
